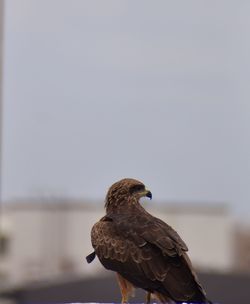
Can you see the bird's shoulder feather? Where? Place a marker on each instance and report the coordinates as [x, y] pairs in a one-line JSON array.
[[143, 227]]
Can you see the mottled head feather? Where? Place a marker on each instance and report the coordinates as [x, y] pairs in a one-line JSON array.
[[122, 192]]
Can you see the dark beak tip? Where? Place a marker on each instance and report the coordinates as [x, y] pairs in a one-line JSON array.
[[149, 194]]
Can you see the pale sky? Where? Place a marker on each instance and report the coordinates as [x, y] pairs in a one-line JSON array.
[[95, 91]]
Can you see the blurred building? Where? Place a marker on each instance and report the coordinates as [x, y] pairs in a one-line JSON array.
[[242, 249], [49, 239]]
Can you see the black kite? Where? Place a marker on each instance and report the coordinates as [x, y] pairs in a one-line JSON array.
[[144, 251]]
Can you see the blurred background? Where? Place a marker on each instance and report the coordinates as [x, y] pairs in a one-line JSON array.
[[94, 91]]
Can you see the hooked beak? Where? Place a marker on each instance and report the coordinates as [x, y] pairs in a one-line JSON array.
[[146, 193], [149, 194]]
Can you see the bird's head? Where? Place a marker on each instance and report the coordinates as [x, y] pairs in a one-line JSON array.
[[127, 191]]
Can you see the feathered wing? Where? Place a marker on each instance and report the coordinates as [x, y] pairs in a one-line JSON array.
[[148, 253]]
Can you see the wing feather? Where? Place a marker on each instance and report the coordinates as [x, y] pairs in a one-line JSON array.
[[148, 253]]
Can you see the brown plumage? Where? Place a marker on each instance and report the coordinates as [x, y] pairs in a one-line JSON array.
[[143, 250]]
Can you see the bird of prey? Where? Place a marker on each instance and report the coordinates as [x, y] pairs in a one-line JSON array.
[[144, 251]]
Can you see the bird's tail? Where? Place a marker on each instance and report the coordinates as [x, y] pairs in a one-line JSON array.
[[165, 299]]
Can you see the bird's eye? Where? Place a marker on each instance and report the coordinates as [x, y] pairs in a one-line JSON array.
[[136, 188]]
